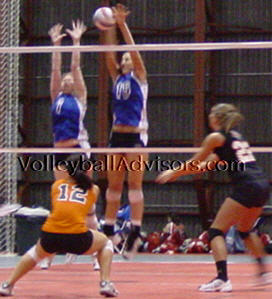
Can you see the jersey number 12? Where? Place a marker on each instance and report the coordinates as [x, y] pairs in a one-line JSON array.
[[76, 195]]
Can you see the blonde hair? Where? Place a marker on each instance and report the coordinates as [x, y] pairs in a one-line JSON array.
[[66, 74], [227, 115]]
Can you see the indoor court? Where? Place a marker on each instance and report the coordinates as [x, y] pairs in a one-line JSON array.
[[182, 59], [147, 276]]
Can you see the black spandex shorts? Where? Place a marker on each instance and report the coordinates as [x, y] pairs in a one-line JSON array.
[[126, 140], [66, 243], [252, 193]]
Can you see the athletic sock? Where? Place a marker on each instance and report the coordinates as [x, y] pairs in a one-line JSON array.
[[133, 235], [221, 267], [260, 262]]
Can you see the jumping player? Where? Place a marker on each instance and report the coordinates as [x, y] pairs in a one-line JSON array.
[[69, 104], [129, 129], [68, 95]]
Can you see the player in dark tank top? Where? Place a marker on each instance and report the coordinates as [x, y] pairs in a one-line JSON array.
[[241, 162], [226, 149]]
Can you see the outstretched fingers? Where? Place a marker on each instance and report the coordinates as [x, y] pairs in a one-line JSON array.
[[78, 28], [55, 33]]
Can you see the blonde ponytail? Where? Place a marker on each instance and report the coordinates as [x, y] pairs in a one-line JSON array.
[[227, 115]]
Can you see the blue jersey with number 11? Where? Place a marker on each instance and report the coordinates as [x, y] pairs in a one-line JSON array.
[[67, 115]]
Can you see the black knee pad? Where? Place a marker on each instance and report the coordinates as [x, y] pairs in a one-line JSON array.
[[244, 235], [108, 230], [214, 232]]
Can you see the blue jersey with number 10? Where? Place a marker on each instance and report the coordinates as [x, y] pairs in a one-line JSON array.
[[129, 102]]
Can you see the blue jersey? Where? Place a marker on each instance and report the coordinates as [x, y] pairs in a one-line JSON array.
[[67, 115], [129, 102]]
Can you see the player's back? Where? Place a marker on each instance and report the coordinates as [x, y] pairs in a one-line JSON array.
[[241, 161], [70, 206]]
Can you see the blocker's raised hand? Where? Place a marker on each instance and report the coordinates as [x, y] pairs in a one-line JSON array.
[[56, 35], [120, 12], [78, 28]]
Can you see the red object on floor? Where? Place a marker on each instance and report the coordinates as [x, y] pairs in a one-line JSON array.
[[142, 280]]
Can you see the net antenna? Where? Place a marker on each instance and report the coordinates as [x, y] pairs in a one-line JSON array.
[[9, 98]]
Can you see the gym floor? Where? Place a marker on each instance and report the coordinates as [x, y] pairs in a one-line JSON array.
[[146, 276]]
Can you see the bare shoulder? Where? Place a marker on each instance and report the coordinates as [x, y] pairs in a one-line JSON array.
[[96, 190], [141, 77], [216, 139], [56, 184]]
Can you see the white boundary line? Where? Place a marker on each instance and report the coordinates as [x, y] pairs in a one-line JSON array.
[[140, 47], [106, 150]]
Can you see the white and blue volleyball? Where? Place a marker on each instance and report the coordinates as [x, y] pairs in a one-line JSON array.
[[103, 18]]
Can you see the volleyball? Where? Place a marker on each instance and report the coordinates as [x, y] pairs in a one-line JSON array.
[[103, 18]]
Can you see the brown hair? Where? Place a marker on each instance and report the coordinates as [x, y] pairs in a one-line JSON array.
[[80, 177], [227, 115]]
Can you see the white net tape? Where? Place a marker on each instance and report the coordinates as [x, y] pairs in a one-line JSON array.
[[138, 47], [181, 150]]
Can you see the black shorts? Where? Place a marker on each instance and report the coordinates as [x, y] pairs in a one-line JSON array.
[[252, 193], [126, 140], [66, 243]]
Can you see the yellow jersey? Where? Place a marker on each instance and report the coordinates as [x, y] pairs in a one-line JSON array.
[[70, 207]]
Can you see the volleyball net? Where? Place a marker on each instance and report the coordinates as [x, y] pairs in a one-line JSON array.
[[9, 108], [9, 111]]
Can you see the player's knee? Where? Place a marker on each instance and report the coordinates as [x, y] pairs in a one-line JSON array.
[[109, 245], [135, 196], [113, 195], [244, 235], [214, 232], [32, 252]]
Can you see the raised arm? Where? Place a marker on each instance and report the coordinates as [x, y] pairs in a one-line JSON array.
[[111, 60], [78, 28], [121, 13], [55, 80], [202, 161]]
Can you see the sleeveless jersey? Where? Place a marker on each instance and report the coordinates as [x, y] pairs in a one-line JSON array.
[[70, 206], [129, 102], [67, 115], [241, 161]]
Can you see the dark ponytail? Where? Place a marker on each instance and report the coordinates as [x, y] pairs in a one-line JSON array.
[[82, 180]]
